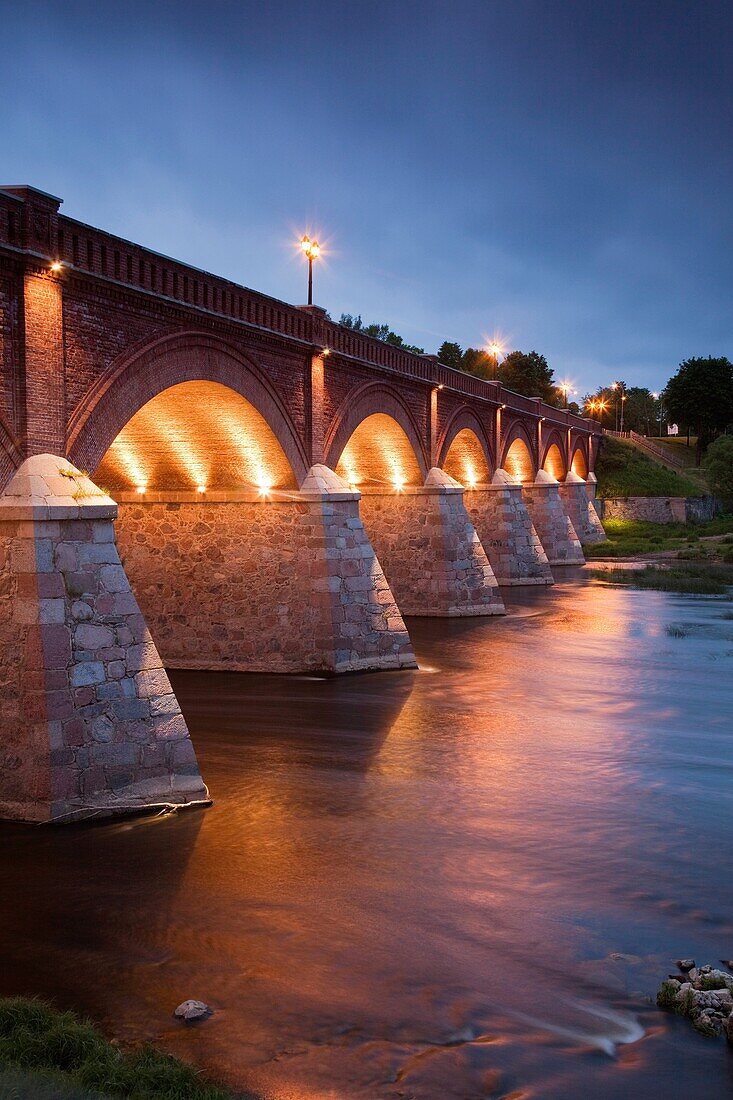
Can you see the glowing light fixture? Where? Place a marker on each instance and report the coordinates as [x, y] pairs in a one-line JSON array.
[[200, 488], [57, 266], [142, 489], [326, 351], [311, 250]]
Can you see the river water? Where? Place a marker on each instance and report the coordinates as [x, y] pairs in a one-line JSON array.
[[462, 882]]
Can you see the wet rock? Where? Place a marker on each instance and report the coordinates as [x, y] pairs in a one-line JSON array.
[[728, 1029], [192, 1010], [707, 1023], [685, 964], [728, 963], [693, 974]]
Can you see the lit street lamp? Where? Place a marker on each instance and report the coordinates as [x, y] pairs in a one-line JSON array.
[[311, 250], [657, 398], [565, 389], [495, 350]]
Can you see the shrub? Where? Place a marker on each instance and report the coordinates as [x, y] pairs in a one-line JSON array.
[[719, 465]]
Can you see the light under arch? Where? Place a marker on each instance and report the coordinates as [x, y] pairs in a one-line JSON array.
[[518, 461], [379, 455], [466, 460], [141, 375], [579, 464], [554, 463], [366, 401], [196, 435]]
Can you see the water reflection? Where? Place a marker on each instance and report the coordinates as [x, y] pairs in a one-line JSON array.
[[456, 883]]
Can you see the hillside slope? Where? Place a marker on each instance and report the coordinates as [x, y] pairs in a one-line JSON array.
[[624, 471]]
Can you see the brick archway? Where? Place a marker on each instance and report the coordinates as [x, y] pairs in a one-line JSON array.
[[517, 432], [554, 461], [465, 419], [189, 356], [579, 462], [373, 397]]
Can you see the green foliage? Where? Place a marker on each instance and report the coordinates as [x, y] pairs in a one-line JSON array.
[[628, 538], [624, 471], [707, 580], [70, 1052], [478, 361], [379, 332], [529, 373], [700, 395], [450, 354], [667, 995], [719, 466]]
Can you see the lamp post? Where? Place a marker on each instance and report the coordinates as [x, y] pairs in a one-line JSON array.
[[658, 398], [564, 388], [311, 250], [495, 350]]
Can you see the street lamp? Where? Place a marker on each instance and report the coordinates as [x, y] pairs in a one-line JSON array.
[[565, 389], [311, 250], [657, 398], [495, 350]]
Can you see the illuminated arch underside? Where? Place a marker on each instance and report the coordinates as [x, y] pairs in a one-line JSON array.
[[196, 434], [554, 463], [466, 460], [579, 465], [379, 455], [518, 462]]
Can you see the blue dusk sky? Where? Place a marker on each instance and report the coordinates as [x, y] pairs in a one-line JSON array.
[[558, 173]]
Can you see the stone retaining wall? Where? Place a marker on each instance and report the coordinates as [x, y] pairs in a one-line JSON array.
[[660, 509]]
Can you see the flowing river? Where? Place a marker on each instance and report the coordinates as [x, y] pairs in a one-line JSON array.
[[464, 882]]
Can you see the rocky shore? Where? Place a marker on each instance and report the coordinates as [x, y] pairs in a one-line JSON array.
[[704, 994]]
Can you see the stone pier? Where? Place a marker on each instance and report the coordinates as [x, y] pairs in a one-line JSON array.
[[276, 582], [432, 556], [89, 723], [581, 509], [507, 534], [553, 525]]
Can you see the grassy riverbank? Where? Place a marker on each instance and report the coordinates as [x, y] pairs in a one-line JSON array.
[[48, 1053], [637, 538], [689, 579]]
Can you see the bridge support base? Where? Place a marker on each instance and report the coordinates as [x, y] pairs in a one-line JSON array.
[[90, 725], [553, 525], [287, 582], [581, 509], [507, 533], [432, 556]]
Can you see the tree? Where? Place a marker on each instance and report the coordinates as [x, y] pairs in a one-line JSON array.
[[529, 373], [379, 332], [719, 463], [450, 355], [478, 361], [700, 396]]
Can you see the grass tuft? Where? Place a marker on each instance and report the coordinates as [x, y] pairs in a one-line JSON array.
[[35, 1037]]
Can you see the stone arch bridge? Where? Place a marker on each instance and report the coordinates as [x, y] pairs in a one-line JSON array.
[[197, 475]]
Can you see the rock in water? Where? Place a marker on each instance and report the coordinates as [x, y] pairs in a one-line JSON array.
[[728, 1029], [192, 1010], [685, 964]]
